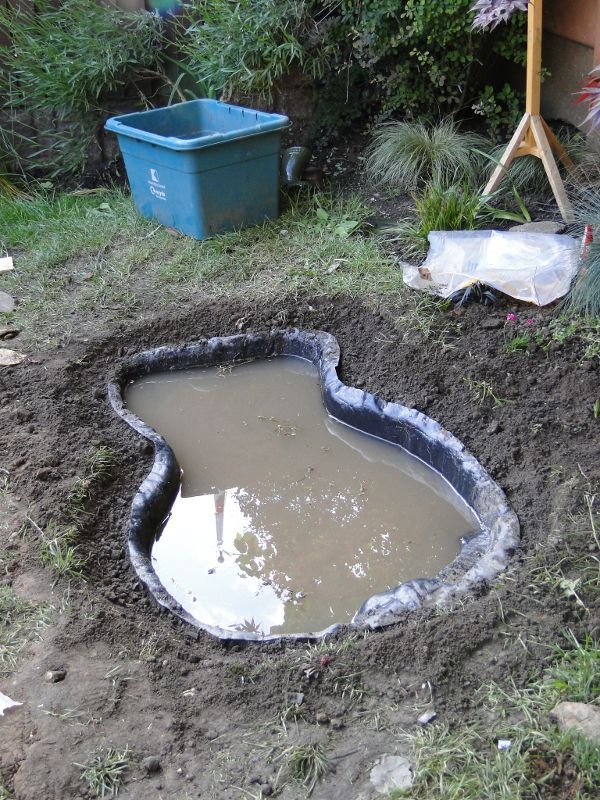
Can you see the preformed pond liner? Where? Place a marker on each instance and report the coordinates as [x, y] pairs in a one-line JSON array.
[[296, 517], [482, 556]]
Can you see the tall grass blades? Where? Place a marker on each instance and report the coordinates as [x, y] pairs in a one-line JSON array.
[[64, 64], [72, 56], [439, 208], [584, 297], [405, 155], [246, 46]]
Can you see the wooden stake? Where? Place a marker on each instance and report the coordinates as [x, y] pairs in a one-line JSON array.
[[533, 136]]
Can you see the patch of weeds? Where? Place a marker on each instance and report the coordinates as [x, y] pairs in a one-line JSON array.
[[342, 223], [307, 764], [518, 343], [350, 687], [73, 716], [59, 552], [20, 622], [575, 571], [483, 390], [98, 466], [576, 672], [590, 335], [291, 713], [58, 546], [562, 330], [103, 774], [423, 313], [149, 650], [5, 794], [465, 763]]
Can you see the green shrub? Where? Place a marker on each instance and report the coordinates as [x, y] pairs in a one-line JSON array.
[[403, 155], [502, 109], [421, 55], [248, 45]]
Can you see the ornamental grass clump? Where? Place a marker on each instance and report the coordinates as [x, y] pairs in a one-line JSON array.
[[406, 155], [584, 297]]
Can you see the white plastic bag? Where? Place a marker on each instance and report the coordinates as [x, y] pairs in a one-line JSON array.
[[534, 267]]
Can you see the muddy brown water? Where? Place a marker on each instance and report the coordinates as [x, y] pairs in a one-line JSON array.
[[287, 520]]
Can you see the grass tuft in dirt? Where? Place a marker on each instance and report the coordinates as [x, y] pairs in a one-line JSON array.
[[539, 761], [307, 764], [20, 622], [59, 552], [439, 208], [104, 772], [98, 466]]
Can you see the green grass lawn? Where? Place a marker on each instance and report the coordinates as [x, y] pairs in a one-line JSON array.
[[79, 255]]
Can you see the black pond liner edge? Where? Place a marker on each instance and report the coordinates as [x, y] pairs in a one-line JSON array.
[[482, 556]]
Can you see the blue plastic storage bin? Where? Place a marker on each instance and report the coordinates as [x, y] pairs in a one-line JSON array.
[[202, 167]]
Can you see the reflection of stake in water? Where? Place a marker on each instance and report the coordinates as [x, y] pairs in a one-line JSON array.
[[219, 499]]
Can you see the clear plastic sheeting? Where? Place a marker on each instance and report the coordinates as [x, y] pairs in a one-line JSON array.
[[533, 267]]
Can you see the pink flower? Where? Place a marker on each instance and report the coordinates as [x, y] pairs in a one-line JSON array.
[[510, 317], [529, 322]]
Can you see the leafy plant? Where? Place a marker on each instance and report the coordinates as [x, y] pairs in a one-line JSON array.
[[438, 208], [518, 342], [419, 55], [340, 226], [248, 45], [490, 13], [404, 155], [502, 109]]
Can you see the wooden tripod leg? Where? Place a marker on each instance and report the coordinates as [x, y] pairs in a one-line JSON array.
[[508, 155], [557, 147], [552, 172]]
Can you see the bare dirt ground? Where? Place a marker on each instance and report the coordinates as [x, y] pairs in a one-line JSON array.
[[221, 719]]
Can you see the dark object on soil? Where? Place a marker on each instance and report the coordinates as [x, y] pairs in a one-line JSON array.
[[482, 556], [151, 764], [55, 675], [9, 332], [475, 293]]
